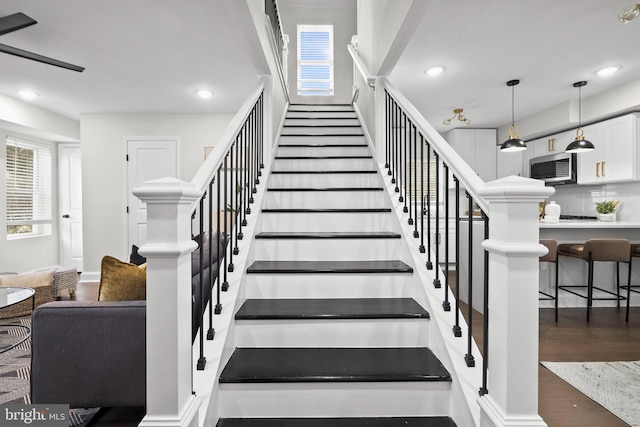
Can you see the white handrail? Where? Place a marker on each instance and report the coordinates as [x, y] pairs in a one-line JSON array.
[[472, 183], [213, 162], [361, 67], [274, 48]]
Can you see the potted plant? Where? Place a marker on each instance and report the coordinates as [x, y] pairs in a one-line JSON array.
[[607, 210]]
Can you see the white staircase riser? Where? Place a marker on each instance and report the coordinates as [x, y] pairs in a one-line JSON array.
[[326, 199], [324, 151], [342, 399], [341, 140], [333, 285], [310, 130], [325, 180], [320, 121], [321, 114], [328, 249], [327, 222], [317, 107], [333, 333], [323, 164]]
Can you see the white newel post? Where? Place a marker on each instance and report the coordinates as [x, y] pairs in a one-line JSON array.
[[170, 402], [514, 248]]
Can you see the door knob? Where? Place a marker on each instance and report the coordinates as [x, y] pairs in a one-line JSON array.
[[65, 216]]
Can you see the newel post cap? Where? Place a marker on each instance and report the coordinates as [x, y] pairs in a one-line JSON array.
[[166, 190], [516, 188]]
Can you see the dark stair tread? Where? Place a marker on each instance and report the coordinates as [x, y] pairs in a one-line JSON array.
[[319, 364], [329, 235], [321, 157], [321, 126], [280, 267], [323, 145], [326, 172], [326, 210], [323, 117], [331, 308], [338, 422], [285, 189], [323, 134]]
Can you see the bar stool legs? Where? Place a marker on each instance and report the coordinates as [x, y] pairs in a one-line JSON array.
[[605, 250], [552, 258]]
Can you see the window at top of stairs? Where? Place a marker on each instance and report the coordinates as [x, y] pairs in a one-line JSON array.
[[315, 60]]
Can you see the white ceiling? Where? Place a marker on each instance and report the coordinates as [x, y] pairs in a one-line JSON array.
[[150, 56], [546, 44], [142, 56]]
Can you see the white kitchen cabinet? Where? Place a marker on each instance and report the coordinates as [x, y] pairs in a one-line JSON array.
[[477, 147], [553, 144], [615, 157]]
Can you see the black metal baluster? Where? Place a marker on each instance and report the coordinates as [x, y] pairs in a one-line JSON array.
[[469, 356], [202, 361], [391, 137], [224, 236], [445, 304], [409, 196], [415, 182], [422, 211], [395, 150], [485, 323], [429, 263], [251, 153], [387, 128], [457, 331], [239, 190], [261, 130], [436, 281], [403, 162], [232, 209], [245, 181]]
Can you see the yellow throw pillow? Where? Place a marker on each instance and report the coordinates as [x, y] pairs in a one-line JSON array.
[[122, 281]]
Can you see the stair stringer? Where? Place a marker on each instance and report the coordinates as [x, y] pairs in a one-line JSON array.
[[450, 350]]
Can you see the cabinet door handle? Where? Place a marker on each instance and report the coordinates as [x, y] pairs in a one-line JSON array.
[[598, 169], [603, 169], [548, 145], [553, 144]]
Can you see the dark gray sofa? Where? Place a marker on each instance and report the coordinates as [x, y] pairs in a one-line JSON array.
[[89, 354]]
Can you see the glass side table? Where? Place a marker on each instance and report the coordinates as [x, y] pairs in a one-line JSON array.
[[8, 298]]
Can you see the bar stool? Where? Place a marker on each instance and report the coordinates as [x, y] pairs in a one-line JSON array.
[[551, 257], [635, 253], [604, 250]]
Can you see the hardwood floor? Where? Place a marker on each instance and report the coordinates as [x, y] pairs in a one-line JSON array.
[[606, 338]]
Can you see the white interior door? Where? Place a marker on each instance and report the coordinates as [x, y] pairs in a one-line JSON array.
[[70, 194], [147, 159]]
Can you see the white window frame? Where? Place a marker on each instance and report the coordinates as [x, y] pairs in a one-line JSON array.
[[307, 91], [39, 215]]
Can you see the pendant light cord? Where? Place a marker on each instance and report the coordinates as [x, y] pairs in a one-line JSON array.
[[513, 97]]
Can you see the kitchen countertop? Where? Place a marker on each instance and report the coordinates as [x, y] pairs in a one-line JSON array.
[[585, 223]]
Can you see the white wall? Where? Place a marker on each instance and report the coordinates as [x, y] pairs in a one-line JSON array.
[[103, 173], [344, 27]]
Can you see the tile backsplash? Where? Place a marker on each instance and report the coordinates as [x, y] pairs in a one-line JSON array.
[[581, 199]]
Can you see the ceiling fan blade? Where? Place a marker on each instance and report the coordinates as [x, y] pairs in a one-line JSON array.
[[15, 22], [35, 57]]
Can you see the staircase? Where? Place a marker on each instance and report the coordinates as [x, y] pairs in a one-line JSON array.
[[331, 332]]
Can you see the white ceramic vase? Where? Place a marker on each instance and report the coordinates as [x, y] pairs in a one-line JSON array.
[[552, 212]]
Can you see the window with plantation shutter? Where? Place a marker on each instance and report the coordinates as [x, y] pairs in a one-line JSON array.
[[28, 178], [315, 60]]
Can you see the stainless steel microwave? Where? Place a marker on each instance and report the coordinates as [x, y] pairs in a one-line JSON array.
[[554, 169]]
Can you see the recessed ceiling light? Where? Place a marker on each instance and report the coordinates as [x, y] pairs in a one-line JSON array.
[[204, 93], [27, 94], [604, 72], [434, 71]]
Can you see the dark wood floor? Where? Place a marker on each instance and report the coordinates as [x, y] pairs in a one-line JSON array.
[[606, 338]]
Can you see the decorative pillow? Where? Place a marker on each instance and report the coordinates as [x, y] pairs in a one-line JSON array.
[[28, 280], [122, 281], [208, 258], [135, 257]]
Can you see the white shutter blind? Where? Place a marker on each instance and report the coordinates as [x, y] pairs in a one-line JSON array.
[[29, 178], [315, 60]]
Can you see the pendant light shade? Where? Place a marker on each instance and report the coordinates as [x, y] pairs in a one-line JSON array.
[[513, 143], [580, 145]]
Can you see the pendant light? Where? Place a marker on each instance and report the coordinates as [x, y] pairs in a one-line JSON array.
[[513, 143], [580, 145]]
